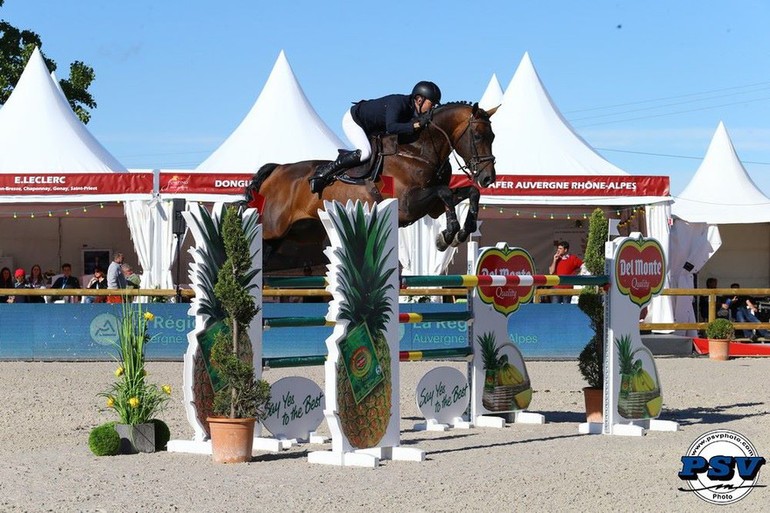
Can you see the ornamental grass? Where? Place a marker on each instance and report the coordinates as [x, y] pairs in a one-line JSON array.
[[134, 400]]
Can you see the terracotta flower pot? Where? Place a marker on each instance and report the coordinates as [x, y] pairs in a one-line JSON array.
[[231, 439], [594, 398], [719, 349]]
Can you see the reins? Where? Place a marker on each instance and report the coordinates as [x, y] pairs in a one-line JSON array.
[[471, 169]]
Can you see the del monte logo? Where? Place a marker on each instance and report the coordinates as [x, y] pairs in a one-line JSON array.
[[640, 268], [505, 261]]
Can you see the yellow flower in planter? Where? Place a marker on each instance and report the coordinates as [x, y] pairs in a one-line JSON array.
[[131, 397]]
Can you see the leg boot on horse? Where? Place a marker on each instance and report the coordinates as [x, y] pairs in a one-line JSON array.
[[325, 173]]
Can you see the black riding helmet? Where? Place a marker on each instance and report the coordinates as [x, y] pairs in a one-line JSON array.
[[427, 90]]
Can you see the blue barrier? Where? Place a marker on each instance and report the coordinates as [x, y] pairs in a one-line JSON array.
[[86, 331]]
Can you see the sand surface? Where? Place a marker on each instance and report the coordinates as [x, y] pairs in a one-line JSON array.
[[49, 409]]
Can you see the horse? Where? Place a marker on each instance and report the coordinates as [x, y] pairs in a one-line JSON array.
[[420, 174]]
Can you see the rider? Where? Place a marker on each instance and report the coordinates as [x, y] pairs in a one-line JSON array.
[[392, 114]]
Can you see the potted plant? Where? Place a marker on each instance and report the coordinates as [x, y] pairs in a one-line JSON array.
[[591, 302], [240, 399], [135, 401], [720, 332]]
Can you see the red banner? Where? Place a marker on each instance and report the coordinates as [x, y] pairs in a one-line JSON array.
[[30, 184], [219, 183], [572, 185]]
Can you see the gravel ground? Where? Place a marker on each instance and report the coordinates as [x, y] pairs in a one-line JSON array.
[[50, 408]]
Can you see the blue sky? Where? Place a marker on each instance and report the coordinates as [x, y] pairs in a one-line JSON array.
[[645, 83]]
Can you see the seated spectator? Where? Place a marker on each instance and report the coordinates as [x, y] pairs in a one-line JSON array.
[[66, 281], [6, 282], [36, 280], [744, 310], [99, 281], [20, 282]]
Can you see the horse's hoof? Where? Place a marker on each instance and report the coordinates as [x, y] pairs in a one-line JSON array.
[[441, 243], [461, 237]]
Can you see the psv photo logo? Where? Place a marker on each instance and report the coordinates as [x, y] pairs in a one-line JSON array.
[[721, 467]]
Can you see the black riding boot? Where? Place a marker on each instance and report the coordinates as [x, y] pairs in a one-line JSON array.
[[326, 172]]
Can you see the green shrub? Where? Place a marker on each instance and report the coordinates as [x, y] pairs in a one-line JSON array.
[[162, 434], [104, 440], [720, 329]]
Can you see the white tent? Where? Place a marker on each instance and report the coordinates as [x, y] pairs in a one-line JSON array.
[[721, 224], [39, 133], [44, 147], [493, 95], [282, 126], [535, 145]]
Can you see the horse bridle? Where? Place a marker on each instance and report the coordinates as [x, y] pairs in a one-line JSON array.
[[473, 166]]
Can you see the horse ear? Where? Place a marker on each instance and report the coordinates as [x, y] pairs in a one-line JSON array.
[[475, 109], [492, 111]]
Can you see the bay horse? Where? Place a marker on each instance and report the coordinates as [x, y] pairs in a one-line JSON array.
[[420, 173]]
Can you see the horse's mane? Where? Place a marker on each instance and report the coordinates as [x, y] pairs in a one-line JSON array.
[[461, 103]]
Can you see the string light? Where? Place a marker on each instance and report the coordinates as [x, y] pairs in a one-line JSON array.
[[14, 215], [551, 216], [66, 212], [32, 215], [85, 209], [501, 210], [101, 205], [50, 214]]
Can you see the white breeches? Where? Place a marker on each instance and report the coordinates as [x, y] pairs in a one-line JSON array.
[[356, 136]]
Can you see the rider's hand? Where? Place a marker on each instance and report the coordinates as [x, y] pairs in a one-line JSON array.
[[423, 119]]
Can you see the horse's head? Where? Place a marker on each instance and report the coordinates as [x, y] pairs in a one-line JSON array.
[[469, 132]]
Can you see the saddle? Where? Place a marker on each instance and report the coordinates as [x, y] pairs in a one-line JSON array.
[[369, 171]]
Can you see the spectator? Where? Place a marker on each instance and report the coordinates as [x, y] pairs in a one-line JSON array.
[[703, 305], [564, 264], [98, 282], [6, 282], [66, 281], [20, 282], [36, 281], [115, 278], [133, 280], [744, 310]]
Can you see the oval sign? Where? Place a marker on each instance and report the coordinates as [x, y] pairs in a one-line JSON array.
[[640, 268], [506, 261], [443, 394], [296, 408]]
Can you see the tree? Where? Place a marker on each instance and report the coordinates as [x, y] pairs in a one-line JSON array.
[[16, 46]]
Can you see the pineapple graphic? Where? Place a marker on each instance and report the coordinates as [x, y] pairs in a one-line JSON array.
[[363, 372], [634, 379], [209, 255]]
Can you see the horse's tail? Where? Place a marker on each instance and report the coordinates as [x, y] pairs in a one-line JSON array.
[[258, 179]]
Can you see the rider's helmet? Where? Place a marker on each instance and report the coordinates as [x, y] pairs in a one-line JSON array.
[[427, 90]]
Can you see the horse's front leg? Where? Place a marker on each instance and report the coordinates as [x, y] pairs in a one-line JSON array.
[[448, 235], [470, 224]]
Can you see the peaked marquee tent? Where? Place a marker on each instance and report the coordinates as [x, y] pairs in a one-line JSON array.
[[48, 157], [282, 126], [721, 225]]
